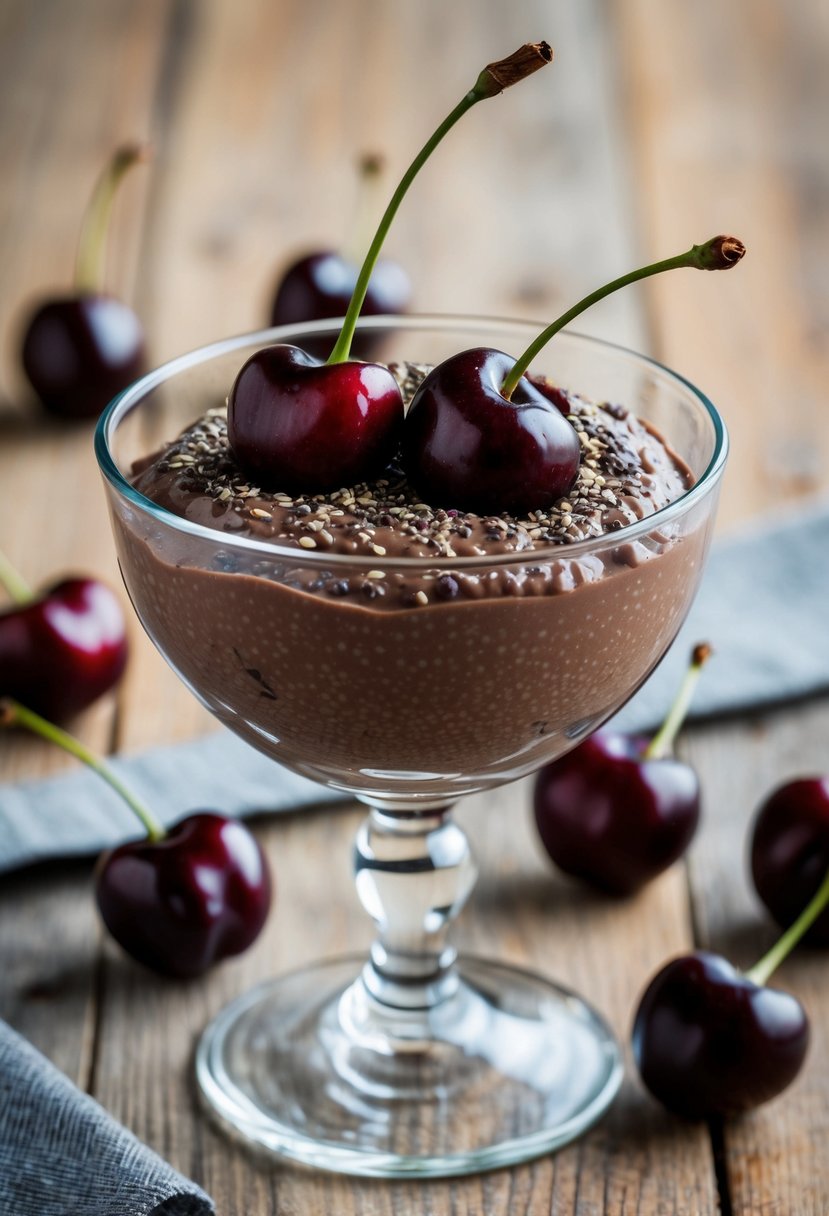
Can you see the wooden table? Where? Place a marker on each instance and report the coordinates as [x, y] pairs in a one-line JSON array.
[[660, 123]]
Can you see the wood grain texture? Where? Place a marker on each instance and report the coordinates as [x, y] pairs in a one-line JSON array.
[[728, 106], [258, 111], [57, 61]]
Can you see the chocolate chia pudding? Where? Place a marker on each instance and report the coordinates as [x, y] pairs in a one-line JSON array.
[[499, 643]]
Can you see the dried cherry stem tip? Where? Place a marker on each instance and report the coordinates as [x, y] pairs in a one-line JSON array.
[[491, 81], [720, 253], [506, 72], [90, 256], [662, 744], [12, 713], [762, 971]]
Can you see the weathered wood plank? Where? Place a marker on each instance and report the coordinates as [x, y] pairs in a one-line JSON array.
[[728, 106], [57, 62]]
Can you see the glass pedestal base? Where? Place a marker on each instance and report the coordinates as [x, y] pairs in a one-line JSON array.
[[506, 1067]]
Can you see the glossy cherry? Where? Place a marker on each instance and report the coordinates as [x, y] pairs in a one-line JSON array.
[[477, 436], [619, 809], [708, 1040], [320, 285], [790, 851], [612, 818], [466, 446], [288, 416], [297, 424], [81, 349], [177, 901], [182, 903], [63, 649]]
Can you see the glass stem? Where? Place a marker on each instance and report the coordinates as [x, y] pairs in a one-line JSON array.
[[762, 971], [413, 873], [14, 714]]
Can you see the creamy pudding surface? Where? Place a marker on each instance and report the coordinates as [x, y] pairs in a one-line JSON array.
[[488, 657]]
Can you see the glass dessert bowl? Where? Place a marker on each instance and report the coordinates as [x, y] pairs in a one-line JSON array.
[[410, 682]]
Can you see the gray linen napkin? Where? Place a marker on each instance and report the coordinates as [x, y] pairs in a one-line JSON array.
[[61, 1154], [762, 605]]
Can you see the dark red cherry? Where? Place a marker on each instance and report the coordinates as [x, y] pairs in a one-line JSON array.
[[320, 285], [182, 903], [609, 816], [790, 852], [466, 446], [61, 651], [81, 351], [297, 424], [708, 1041]]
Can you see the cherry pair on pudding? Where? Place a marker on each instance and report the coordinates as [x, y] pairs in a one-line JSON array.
[[80, 350], [61, 649], [178, 900], [479, 434], [301, 424]]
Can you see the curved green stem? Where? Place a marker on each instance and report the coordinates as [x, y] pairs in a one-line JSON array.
[[492, 80], [14, 714], [89, 262], [720, 253], [342, 348], [16, 586], [762, 970], [662, 744]]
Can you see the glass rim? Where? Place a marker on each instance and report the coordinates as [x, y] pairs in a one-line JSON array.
[[131, 397]]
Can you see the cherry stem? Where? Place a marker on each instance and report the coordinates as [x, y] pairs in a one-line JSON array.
[[762, 970], [720, 253], [492, 80], [15, 584], [662, 744], [89, 262], [371, 169], [12, 713]]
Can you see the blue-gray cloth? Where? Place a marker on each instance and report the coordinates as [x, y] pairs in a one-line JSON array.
[[763, 606], [62, 1155]]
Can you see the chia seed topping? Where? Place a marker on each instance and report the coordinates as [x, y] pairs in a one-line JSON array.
[[626, 473]]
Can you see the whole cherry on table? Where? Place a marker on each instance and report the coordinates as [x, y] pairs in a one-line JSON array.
[[81, 349], [618, 809], [63, 648], [320, 284], [710, 1040], [790, 851], [297, 423], [178, 900]]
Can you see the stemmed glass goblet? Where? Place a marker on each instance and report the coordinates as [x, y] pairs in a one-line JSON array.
[[413, 1062]]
